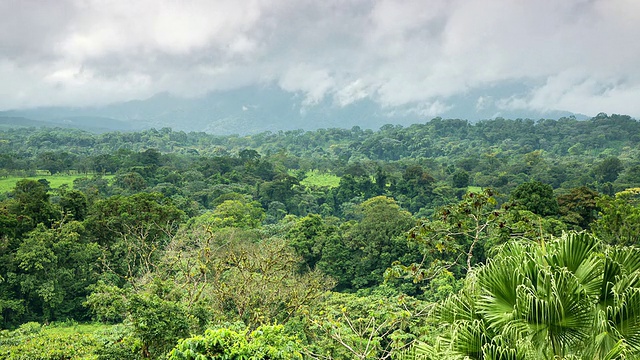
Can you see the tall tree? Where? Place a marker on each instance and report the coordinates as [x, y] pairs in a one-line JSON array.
[[31, 204], [53, 269], [608, 169], [535, 197], [374, 241], [133, 230]]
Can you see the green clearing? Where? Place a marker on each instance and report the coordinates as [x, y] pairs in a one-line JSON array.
[[315, 178], [55, 181]]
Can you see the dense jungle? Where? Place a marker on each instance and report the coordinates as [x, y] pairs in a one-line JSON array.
[[501, 239]]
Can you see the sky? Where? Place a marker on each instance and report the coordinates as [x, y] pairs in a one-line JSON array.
[[581, 56]]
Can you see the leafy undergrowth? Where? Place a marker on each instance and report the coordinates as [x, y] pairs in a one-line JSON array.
[[53, 342]]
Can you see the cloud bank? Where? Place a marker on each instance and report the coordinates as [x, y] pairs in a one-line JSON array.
[[572, 55]]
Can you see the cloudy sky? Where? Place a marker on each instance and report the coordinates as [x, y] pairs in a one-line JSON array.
[[581, 56]]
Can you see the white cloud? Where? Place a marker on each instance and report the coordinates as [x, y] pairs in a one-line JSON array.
[[313, 82], [582, 53], [580, 92], [356, 90]]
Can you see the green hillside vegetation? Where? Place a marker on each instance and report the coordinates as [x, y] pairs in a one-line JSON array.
[[55, 341], [505, 239], [55, 181]]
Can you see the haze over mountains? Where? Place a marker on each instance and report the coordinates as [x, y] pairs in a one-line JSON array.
[[255, 109]]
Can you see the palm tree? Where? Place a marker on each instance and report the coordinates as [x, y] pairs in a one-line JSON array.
[[570, 298]]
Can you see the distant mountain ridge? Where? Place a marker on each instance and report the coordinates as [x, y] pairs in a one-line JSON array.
[[247, 110], [89, 123]]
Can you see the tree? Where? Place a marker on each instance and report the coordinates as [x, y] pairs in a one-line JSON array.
[[359, 326], [568, 298], [232, 276], [31, 204], [631, 175], [132, 231], [232, 213], [280, 189], [535, 197], [579, 207], [619, 218], [73, 203], [55, 162], [158, 322], [248, 155], [417, 185], [460, 235], [309, 235], [608, 169], [359, 257], [131, 182], [154, 318], [460, 179], [54, 268]]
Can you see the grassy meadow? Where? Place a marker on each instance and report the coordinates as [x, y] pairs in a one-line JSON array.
[[315, 178]]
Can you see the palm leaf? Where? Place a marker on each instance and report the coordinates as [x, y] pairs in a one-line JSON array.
[[457, 307], [577, 253], [624, 318], [627, 257], [557, 310], [496, 352], [468, 339], [499, 280]]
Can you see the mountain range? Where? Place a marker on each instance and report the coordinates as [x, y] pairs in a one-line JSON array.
[[256, 109]]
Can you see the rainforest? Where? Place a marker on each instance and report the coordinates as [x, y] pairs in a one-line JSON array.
[[447, 239]]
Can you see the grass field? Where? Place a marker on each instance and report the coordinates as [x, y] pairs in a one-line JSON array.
[[474, 189], [318, 179], [55, 181]]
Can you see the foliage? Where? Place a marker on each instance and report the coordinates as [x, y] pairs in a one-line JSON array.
[[579, 207], [118, 342], [49, 271], [363, 326], [570, 297], [159, 323], [619, 220], [265, 342], [309, 236], [196, 230], [132, 231], [374, 242], [535, 197], [32, 341], [232, 213], [31, 204], [154, 320], [460, 234], [608, 169], [255, 282]]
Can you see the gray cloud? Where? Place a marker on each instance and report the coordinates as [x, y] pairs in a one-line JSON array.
[[575, 55]]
